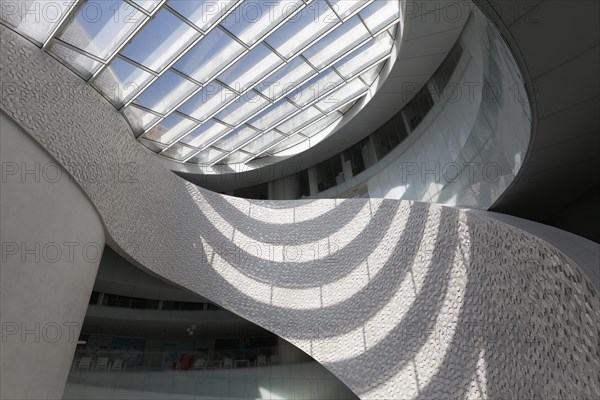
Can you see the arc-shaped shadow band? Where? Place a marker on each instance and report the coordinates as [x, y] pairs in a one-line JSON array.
[[323, 265], [322, 224], [156, 223]]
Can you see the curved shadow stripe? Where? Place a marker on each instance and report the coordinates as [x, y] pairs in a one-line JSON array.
[[151, 217]]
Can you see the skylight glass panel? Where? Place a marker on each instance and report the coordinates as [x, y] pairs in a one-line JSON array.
[[236, 157], [160, 41], [380, 14], [84, 65], [166, 92], [365, 56], [300, 120], [24, 16], [286, 79], [272, 115], [242, 109], [322, 125], [248, 70], [315, 19], [170, 129], [191, 75], [148, 5], [206, 102], [341, 40], [344, 8], [202, 13], [100, 27], [207, 156], [120, 81], [138, 118], [236, 138], [347, 107], [205, 134], [371, 75], [178, 152], [341, 96], [209, 56], [263, 142], [287, 143], [253, 19], [152, 146], [316, 88]]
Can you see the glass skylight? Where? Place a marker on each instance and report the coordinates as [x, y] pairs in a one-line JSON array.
[[220, 81]]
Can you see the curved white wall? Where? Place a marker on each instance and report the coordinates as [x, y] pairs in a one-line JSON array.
[[398, 299], [52, 242]]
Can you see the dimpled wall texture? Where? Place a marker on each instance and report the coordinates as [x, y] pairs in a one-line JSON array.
[[398, 299]]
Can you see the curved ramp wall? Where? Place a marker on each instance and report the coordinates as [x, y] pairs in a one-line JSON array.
[[470, 146], [398, 299]]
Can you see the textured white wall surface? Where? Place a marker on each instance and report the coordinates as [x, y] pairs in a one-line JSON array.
[[398, 299], [51, 244]]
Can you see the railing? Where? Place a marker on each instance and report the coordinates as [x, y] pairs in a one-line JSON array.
[[233, 373]]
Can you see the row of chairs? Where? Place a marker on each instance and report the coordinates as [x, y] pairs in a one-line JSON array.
[[86, 364]]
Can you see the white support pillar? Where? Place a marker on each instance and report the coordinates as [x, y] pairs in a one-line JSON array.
[[52, 240]]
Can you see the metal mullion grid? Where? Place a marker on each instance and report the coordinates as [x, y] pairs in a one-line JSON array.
[[312, 123], [211, 116], [159, 144], [196, 91], [260, 132], [266, 34], [78, 50], [140, 8], [263, 151], [237, 148], [230, 153], [194, 152], [285, 61], [148, 18], [210, 28], [298, 129], [170, 64], [352, 14], [385, 28], [289, 137], [247, 49], [382, 60], [298, 132], [149, 110], [209, 144], [348, 53], [355, 98], [64, 21], [305, 107], [318, 97], [293, 87], [273, 101], [360, 71]]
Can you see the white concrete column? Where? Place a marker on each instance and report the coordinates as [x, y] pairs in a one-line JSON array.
[[51, 244]]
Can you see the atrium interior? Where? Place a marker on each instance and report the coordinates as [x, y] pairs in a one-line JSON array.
[[299, 199]]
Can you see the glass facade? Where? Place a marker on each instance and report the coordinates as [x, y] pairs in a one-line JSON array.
[[272, 66]]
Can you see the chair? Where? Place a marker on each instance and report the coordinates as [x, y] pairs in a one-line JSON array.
[[85, 363], [261, 360], [101, 364], [274, 359], [200, 363], [227, 363], [117, 365]]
